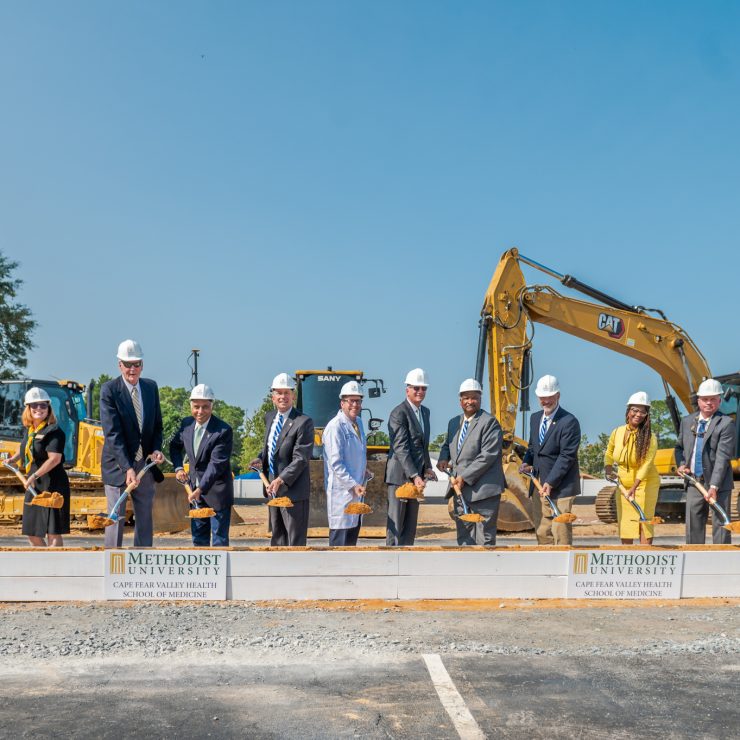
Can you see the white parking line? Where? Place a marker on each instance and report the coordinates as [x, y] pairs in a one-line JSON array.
[[467, 728]]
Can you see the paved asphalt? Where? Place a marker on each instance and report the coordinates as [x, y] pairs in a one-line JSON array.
[[508, 696]]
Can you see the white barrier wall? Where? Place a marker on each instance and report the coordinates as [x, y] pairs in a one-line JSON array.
[[263, 574]]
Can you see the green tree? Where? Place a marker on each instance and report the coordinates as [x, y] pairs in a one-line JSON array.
[[436, 444], [378, 438], [254, 434], [16, 323], [662, 424], [591, 455], [94, 412]]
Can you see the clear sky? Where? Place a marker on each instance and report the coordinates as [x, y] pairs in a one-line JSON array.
[[293, 184]]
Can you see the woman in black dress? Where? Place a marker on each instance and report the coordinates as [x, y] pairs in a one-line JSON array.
[[41, 457]]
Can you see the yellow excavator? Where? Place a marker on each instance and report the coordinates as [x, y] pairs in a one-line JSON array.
[[82, 454], [511, 310]]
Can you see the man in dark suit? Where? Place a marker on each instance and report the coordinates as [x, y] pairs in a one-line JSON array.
[[408, 459], [705, 448], [284, 459], [552, 456], [472, 455], [132, 427], [207, 441]]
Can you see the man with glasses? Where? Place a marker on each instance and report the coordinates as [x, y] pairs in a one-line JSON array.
[[705, 448], [345, 466], [408, 459], [132, 426]]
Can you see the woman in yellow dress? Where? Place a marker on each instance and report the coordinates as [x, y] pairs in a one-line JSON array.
[[632, 447]]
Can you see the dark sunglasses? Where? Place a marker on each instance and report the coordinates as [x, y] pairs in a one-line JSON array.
[[39, 405], [135, 363], [418, 387]]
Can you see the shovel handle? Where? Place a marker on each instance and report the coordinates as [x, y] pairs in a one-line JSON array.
[[630, 501], [263, 478], [710, 500], [538, 486], [458, 491], [21, 478]]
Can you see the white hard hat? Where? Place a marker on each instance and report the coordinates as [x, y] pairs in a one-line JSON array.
[[282, 381], [547, 385], [417, 377], [36, 395], [351, 389], [129, 350], [471, 384], [710, 387], [202, 392], [639, 399]]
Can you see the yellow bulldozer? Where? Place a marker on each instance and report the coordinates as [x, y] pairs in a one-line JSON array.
[[82, 454], [511, 310]]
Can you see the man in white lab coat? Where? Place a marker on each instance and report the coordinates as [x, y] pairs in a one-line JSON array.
[[345, 466]]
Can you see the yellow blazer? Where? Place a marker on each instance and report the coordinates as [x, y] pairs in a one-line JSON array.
[[622, 450]]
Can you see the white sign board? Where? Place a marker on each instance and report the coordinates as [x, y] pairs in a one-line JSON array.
[[194, 575], [624, 574]]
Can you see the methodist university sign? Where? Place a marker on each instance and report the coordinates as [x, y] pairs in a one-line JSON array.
[[620, 574], [165, 574]]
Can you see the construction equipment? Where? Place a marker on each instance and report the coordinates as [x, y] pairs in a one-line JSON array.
[[511, 310], [82, 452]]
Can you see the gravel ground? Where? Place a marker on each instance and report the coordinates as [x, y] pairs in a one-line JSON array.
[[41, 632]]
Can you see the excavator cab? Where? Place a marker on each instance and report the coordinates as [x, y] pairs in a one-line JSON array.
[[729, 406], [67, 402]]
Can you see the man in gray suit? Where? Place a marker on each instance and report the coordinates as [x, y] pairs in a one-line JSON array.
[[705, 447], [284, 459], [472, 454], [408, 459]]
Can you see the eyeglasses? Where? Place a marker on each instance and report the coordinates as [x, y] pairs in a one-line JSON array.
[[38, 406], [135, 363], [353, 401], [418, 387], [635, 410]]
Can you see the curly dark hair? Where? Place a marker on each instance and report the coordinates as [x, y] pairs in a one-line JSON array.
[[642, 440]]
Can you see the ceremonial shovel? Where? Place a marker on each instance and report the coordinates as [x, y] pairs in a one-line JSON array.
[[282, 502], [47, 499], [360, 507], [198, 512], [567, 518], [467, 515], [100, 521], [726, 523]]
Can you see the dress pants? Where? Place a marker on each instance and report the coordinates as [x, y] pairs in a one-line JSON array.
[[697, 512], [478, 533], [289, 526], [402, 517], [143, 500], [216, 527], [548, 531], [344, 537]]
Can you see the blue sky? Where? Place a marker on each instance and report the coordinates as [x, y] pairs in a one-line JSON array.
[[288, 185]]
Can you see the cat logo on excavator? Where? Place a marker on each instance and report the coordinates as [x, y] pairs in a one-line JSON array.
[[612, 325]]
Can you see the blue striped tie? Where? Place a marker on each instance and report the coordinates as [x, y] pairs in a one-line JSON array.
[[273, 447], [698, 462], [543, 428], [463, 432]]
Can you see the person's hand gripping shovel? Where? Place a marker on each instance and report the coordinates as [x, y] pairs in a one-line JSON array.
[[631, 500], [730, 526], [467, 515], [196, 510], [566, 518], [282, 502], [100, 521], [360, 507], [47, 499]]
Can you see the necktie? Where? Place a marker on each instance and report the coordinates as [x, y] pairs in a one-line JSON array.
[[418, 418], [357, 429], [198, 438], [698, 464], [139, 419], [543, 428], [463, 432], [273, 446]]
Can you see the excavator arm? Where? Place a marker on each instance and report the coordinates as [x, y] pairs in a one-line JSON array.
[[512, 308]]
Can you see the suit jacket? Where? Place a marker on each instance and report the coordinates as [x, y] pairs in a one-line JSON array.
[[210, 469], [121, 430], [408, 455], [293, 453], [479, 459], [717, 452], [556, 460]]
